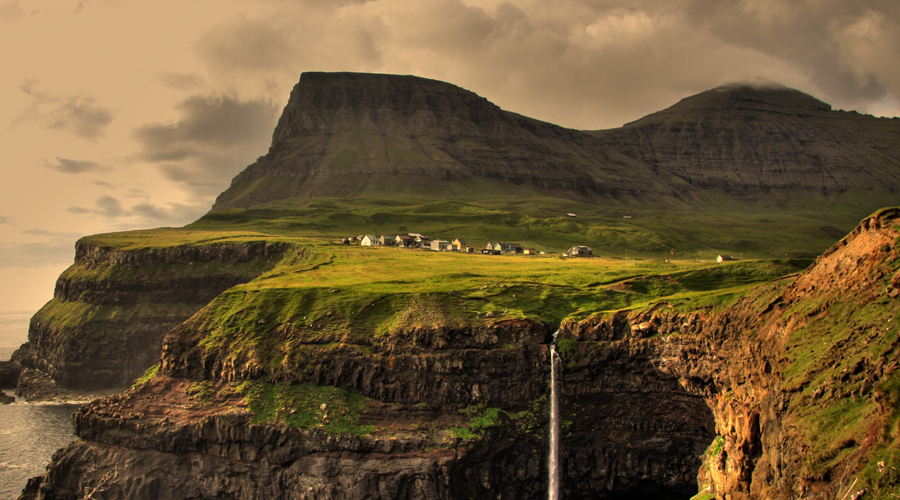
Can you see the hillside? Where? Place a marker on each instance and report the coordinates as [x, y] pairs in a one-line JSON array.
[[739, 169]]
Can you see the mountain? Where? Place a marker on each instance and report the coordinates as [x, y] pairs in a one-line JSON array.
[[739, 169], [770, 146], [368, 135]]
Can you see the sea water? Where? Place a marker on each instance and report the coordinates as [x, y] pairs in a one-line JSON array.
[[29, 432]]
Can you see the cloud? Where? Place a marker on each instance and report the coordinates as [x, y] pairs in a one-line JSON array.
[[53, 248], [181, 81], [140, 215], [11, 9], [68, 166], [36, 254], [76, 114], [5, 219], [580, 63], [843, 46], [50, 234], [106, 206], [213, 139]]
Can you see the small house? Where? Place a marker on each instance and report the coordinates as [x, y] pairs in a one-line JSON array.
[[579, 250], [370, 240], [724, 258], [441, 246], [387, 241], [505, 247], [529, 251], [460, 243]]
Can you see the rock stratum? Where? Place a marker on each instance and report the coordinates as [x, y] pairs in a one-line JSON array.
[[791, 391], [111, 309]]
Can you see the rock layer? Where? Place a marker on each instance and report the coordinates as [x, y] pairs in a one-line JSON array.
[[112, 308]]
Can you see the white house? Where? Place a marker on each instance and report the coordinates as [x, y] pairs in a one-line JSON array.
[[370, 240]]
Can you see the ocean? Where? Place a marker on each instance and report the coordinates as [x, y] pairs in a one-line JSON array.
[[29, 432]]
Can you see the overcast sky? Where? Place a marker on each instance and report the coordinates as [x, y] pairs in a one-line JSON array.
[[122, 114]]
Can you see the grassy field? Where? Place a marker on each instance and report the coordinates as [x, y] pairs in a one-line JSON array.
[[542, 223], [331, 293]]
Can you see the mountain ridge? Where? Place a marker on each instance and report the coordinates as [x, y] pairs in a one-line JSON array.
[[370, 135]]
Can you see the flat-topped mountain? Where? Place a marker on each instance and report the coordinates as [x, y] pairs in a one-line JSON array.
[[371, 135], [375, 135]]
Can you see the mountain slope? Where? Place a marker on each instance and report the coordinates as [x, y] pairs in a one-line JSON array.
[[748, 170], [369, 135], [771, 146]]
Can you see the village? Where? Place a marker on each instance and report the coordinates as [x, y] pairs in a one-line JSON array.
[[419, 241]]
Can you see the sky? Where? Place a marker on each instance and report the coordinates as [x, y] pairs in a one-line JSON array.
[[127, 114]]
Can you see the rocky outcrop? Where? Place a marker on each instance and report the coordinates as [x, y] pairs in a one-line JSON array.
[[9, 373], [113, 307]]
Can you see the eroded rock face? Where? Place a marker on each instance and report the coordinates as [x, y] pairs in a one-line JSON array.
[[112, 308]]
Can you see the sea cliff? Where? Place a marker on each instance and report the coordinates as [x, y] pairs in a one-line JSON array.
[[786, 391]]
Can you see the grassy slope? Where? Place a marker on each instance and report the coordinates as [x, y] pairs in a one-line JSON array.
[[354, 295], [541, 223]]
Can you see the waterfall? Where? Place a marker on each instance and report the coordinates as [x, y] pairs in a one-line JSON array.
[[553, 466]]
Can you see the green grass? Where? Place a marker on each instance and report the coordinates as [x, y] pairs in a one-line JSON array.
[[306, 406], [540, 222], [148, 375], [351, 297]]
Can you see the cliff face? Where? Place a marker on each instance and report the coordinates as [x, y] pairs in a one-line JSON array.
[[112, 307], [790, 392], [799, 375]]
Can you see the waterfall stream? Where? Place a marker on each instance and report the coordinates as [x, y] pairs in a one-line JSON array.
[[553, 467]]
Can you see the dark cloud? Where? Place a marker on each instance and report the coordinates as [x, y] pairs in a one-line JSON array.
[[77, 114], [174, 214], [5, 219], [580, 63], [67, 166], [843, 46], [213, 139], [106, 206]]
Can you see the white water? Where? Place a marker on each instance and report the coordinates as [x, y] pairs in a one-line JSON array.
[[553, 467]]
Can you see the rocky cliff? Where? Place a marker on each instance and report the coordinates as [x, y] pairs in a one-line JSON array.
[[789, 392], [112, 307]]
